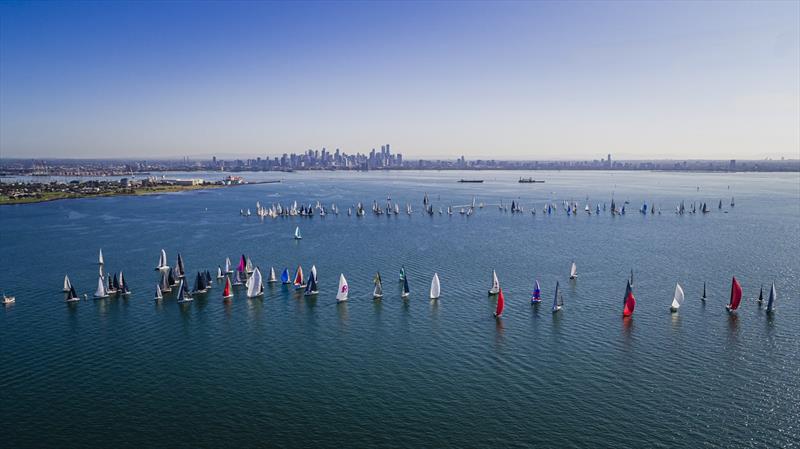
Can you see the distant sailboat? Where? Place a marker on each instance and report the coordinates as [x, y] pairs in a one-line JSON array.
[[123, 285], [237, 278], [209, 280], [297, 235], [435, 287], [495, 289], [228, 269], [67, 284], [736, 295], [341, 294], [378, 292], [761, 295], [219, 272], [677, 298], [772, 297], [227, 292], [272, 278], [180, 268], [501, 304], [158, 296], [199, 283], [162, 261], [71, 295], [402, 273], [573, 271], [101, 289], [558, 301], [630, 301], [536, 298], [406, 290], [311, 286], [285, 276], [298, 278], [255, 287], [183, 294], [314, 271], [704, 291]]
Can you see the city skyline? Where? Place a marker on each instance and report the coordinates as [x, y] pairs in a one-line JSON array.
[[505, 81]]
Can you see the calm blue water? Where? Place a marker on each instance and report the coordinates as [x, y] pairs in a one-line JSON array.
[[289, 371]]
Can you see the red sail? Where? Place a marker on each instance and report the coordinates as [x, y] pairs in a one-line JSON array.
[[630, 301], [736, 294], [501, 303], [298, 280], [227, 291]]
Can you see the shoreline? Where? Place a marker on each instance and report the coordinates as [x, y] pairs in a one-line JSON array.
[[57, 196]]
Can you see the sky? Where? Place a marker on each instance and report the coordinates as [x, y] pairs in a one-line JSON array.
[[513, 80]]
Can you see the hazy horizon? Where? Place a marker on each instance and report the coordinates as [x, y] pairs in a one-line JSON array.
[[514, 81]]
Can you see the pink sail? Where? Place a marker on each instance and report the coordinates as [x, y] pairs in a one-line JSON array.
[[736, 295]]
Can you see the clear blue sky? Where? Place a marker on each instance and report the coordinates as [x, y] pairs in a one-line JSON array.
[[538, 80]]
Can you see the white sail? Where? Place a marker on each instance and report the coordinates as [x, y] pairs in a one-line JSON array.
[[228, 265], [219, 272], [101, 288], [67, 283], [100, 257], [573, 271], [297, 235], [341, 293], [272, 277], [158, 292], [495, 284], [254, 285], [378, 292], [677, 299], [314, 272], [162, 261], [435, 287]]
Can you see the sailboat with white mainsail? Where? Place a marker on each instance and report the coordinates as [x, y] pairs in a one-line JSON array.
[[183, 294], [341, 293], [71, 295], [100, 257], [101, 289], [435, 287], [297, 235], [162, 261], [573, 271], [272, 278], [67, 284], [677, 298], [159, 296], [255, 287], [773, 295], [495, 289], [378, 292], [228, 268], [219, 272]]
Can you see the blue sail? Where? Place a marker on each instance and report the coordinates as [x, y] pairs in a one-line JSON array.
[[285, 276]]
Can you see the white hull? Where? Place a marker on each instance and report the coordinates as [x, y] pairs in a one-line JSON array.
[[73, 300]]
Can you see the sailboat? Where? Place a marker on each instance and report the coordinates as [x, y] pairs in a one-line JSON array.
[[237, 278], [228, 269], [761, 295], [123, 285], [314, 271], [209, 280], [255, 287], [101, 289], [162, 261], [272, 278], [341, 294], [495, 284], [172, 276], [285, 276], [199, 283], [402, 273], [297, 235], [435, 287], [67, 284], [298, 278], [536, 298], [248, 266], [71, 295], [158, 296], [772, 297], [242, 264], [219, 272], [183, 295], [558, 301], [704, 291], [501, 304], [378, 292], [630, 302], [100, 257], [573, 271], [311, 286], [227, 292], [406, 290], [677, 298], [736, 296]]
